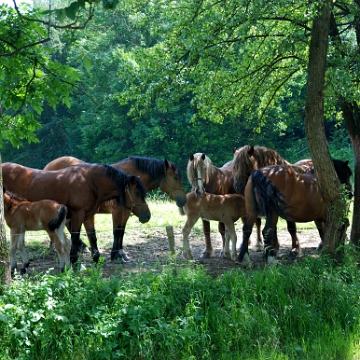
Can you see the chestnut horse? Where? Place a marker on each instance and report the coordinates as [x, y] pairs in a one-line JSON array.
[[22, 215], [154, 174], [279, 190], [250, 158], [204, 177], [223, 208], [82, 189]]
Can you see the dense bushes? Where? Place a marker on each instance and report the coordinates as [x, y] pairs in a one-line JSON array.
[[304, 311]]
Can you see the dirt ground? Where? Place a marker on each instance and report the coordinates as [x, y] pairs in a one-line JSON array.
[[151, 253]]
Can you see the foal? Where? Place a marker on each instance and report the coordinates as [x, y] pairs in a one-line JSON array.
[[22, 215], [224, 208]]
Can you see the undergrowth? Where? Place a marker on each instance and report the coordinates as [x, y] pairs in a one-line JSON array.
[[309, 310]]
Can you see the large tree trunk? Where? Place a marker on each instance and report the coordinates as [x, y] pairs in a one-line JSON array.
[[315, 132], [5, 276]]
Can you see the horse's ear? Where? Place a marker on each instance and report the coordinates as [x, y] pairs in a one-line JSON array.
[[234, 150], [167, 164], [133, 179], [251, 150], [4, 188], [346, 162], [191, 157], [203, 156]]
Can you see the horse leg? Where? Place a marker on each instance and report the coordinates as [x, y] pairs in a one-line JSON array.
[[295, 244], [82, 247], [89, 226], [13, 247], [190, 222], [230, 234], [258, 246], [208, 251], [222, 231], [21, 248], [120, 217], [76, 221], [244, 258], [269, 234], [62, 247], [321, 229]]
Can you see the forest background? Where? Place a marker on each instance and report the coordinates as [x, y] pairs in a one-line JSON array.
[[96, 125]]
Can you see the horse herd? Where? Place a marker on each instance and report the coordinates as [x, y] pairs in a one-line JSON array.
[[257, 182]]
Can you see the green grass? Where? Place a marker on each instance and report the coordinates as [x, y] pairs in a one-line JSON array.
[[308, 310]]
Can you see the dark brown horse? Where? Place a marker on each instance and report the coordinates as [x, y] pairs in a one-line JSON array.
[[250, 158], [82, 189], [153, 173], [277, 190], [204, 177], [22, 215]]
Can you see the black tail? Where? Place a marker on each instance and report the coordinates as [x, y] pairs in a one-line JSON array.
[[270, 198], [58, 219]]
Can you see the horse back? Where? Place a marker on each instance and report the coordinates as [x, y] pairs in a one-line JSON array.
[[63, 162], [299, 192]]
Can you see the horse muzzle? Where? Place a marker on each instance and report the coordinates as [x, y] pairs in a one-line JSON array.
[[239, 187], [199, 193], [180, 201], [144, 216]]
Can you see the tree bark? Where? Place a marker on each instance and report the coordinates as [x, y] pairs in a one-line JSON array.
[[5, 276], [328, 181]]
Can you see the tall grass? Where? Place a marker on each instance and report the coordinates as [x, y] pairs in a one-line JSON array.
[[308, 310]]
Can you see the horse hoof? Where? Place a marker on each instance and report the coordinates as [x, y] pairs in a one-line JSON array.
[[83, 249], [206, 254], [96, 257], [293, 255], [245, 262], [119, 259], [187, 255], [271, 261]]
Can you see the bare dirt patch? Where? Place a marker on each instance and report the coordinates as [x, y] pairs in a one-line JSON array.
[[151, 253]]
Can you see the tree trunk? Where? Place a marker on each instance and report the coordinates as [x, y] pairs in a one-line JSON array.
[[328, 181], [5, 276]]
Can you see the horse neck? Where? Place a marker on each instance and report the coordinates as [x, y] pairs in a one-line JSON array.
[[128, 167], [220, 182]]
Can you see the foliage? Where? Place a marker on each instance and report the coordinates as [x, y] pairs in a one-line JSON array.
[[308, 310]]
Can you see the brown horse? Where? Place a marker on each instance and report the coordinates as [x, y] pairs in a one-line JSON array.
[[22, 215], [224, 208], [204, 177], [154, 174], [250, 158], [277, 190], [82, 189]]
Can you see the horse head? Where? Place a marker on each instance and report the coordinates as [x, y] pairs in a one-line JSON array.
[[199, 170], [172, 185], [344, 173], [244, 163]]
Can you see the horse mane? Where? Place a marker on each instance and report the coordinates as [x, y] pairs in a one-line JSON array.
[[206, 166], [15, 198], [121, 180], [249, 158], [155, 168]]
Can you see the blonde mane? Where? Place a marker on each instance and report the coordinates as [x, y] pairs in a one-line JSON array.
[[202, 162]]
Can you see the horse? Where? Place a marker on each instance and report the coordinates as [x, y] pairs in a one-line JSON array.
[[250, 158], [82, 189], [22, 215], [279, 190], [226, 208], [154, 173], [203, 176]]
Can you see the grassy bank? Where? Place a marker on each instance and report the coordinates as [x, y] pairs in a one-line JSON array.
[[307, 310]]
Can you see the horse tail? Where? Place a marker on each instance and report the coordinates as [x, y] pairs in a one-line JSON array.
[[270, 198], [58, 219]]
